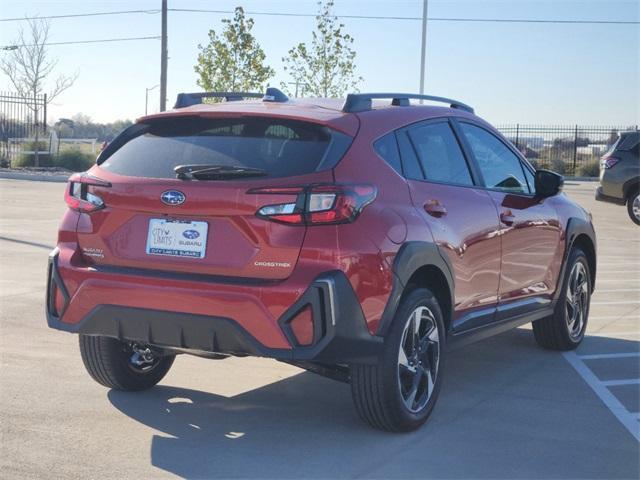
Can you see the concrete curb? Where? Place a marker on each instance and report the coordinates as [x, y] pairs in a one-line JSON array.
[[582, 179], [35, 177]]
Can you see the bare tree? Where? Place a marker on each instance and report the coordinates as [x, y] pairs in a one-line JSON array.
[[29, 67]]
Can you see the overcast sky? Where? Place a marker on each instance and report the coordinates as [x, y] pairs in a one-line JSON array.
[[510, 72]]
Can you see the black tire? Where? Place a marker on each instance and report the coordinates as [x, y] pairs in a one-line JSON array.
[[376, 389], [558, 331], [107, 361], [634, 196]]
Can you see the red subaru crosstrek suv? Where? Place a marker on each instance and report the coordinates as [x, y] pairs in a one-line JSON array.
[[357, 240]]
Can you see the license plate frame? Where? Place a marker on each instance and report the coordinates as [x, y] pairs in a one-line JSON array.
[[177, 238]]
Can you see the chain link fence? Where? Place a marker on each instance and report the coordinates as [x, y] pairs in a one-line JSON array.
[[566, 149]]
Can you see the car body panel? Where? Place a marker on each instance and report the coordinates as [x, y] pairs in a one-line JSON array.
[[616, 182], [487, 267]]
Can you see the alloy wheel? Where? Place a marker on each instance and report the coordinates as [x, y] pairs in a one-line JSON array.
[[635, 207], [577, 302], [418, 359]]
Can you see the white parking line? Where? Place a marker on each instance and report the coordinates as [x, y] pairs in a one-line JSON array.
[[611, 280], [619, 383], [609, 355], [621, 302], [604, 272], [615, 290], [626, 418]]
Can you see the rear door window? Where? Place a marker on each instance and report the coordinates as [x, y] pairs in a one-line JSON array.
[[282, 148], [439, 154]]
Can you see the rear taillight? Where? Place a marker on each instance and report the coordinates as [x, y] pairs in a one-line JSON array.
[[78, 195], [323, 204], [608, 162]]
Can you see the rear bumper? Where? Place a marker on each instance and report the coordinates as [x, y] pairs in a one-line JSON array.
[[340, 334], [601, 197]]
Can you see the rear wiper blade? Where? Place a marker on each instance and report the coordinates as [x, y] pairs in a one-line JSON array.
[[216, 171]]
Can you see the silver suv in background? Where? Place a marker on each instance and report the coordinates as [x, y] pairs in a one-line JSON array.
[[620, 174]]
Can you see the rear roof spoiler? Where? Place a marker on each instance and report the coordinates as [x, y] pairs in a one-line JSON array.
[[362, 102], [189, 99]]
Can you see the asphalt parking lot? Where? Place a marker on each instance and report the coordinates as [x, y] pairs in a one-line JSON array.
[[508, 409]]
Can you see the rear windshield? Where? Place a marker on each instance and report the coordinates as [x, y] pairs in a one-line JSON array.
[[282, 148]]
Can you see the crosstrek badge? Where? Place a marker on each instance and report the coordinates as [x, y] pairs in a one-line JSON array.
[[272, 264]]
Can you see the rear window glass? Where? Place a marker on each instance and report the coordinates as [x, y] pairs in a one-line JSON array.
[[387, 148], [281, 148], [628, 141]]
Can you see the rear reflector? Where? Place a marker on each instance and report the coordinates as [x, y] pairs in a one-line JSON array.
[[317, 204], [59, 302], [302, 326]]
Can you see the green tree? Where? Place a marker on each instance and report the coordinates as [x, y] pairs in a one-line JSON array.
[[234, 61], [327, 67]]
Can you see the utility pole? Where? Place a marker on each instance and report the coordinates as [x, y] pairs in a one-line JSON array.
[[163, 59], [423, 52]]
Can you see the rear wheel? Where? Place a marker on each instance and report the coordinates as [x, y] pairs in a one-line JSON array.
[[399, 392], [564, 330], [123, 365], [633, 206]]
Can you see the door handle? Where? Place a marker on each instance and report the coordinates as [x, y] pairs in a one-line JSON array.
[[435, 208], [507, 217]]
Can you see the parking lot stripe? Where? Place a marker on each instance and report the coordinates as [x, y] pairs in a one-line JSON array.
[[609, 355], [620, 302], [618, 383], [615, 290], [612, 280], [626, 418]]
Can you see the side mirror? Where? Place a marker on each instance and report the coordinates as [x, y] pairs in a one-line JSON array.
[[548, 183]]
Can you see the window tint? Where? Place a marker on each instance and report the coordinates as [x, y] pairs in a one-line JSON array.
[[280, 147], [409, 160], [500, 167], [439, 154], [628, 141], [387, 148]]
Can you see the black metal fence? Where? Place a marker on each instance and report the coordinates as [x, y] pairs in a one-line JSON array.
[[567, 149], [22, 121]]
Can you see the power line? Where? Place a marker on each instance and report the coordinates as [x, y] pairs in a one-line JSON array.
[[75, 42], [360, 17], [94, 14], [434, 19]]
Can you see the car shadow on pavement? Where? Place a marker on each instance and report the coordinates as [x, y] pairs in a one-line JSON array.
[[507, 410]]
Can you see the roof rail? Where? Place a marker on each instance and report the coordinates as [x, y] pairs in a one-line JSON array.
[[189, 99], [361, 102]]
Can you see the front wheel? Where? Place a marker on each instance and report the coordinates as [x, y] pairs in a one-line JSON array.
[[399, 392], [633, 206], [564, 330], [123, 365]]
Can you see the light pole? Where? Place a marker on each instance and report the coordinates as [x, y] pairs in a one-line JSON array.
[[163, 59], [423, 52], [146, 97]]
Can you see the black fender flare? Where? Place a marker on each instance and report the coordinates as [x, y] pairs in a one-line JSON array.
[[411, 256], [576, 227], [630, 186]]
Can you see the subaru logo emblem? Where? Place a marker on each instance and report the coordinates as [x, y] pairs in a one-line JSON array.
[[172, 197], [190, 234]]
